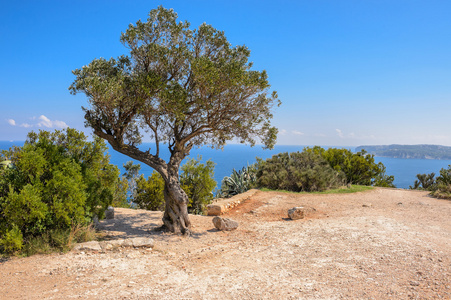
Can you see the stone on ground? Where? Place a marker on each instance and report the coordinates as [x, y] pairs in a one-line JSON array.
[[143, 242], [109, 213], [296, 213], [89, 246], [225, 224]]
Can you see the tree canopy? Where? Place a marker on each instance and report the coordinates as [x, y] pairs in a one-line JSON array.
[[180, 87]]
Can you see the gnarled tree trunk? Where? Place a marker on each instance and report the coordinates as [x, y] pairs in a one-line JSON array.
[[175, 216]]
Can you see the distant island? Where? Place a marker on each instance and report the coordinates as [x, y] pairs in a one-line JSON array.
[[409, 151]]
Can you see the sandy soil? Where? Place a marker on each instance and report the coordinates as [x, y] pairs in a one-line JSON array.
[[381, 244]]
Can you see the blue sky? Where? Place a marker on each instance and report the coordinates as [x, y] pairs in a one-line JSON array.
[[348, 73]]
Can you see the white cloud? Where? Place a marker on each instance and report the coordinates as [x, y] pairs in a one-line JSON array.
[[283, 132], [339, 132], [43, 121], [296, 132], [60, 124]]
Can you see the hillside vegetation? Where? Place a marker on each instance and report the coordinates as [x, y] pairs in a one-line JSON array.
[[409, 151]]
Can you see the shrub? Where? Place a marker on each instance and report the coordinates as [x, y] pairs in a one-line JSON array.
[[239, 181], [150, 193], [120, 193], [299, 171], [360, 168], [382, 179], [58, 180], [445, 176], [12, 240], [443, 184], [197, 180], [58, 239], [424, 182]]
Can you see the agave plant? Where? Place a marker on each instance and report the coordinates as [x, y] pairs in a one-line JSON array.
[[239, 181]]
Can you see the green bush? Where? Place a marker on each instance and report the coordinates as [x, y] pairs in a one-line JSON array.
[[58, 180], [298, 171], [424, 182], [239, 181], [149, 194], [12, 240], [197, 180], [445, 176], [443, 184], [440, 187], [382, 179], [120, 194], [359, 168]]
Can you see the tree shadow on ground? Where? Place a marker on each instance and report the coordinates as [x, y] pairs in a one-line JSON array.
[[129, 223]]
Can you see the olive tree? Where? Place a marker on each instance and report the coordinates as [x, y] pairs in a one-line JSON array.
[[179, 87]]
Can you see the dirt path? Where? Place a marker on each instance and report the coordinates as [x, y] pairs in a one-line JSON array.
[[382, 244]]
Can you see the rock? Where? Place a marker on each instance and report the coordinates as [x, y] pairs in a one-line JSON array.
[[138, 242], [143, 242], [109, 213], [105, 245], [108, 245], [296, 213], [225, 224], [367, 205], [89, 246], [127, 243], [116, 243], [214, 209]]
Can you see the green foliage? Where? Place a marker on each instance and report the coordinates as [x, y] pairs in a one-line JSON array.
[[360, 168], [439, 187], [12, 240], [120, 194], [239, 181], [58, 239], [445, 176], [424, 182], [59, 179], [131, 174], [382, 179], [298, 171], [197, 180], [443, 184], [150, 193], [175, 75]]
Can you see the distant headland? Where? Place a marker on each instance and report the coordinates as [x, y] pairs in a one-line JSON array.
[[409, 151]]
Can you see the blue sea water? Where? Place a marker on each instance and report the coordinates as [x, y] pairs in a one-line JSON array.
[[237, 156]]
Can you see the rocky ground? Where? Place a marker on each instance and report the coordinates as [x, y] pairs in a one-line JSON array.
[[381, 244]]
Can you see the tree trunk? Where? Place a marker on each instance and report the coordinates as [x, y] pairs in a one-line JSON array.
[[175, 216]]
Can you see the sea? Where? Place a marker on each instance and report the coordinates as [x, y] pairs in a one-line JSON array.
[[236, 156]]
